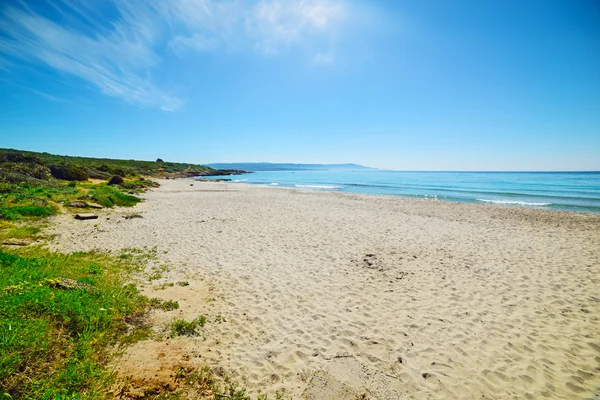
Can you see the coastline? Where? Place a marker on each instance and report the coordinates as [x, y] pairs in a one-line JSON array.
[[372, 294], [573, 191]]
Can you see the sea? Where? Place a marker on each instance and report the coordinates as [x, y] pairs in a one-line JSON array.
[[571, 191]]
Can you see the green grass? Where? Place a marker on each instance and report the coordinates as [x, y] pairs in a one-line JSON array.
[[204, 383], [17, 212], [181, 327], [43, 198], [54, 341], [109, 196], [165, 305], [61, 314], [19, 232]]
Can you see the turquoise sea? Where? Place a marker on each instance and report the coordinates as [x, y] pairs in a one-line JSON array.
[[573, 191]]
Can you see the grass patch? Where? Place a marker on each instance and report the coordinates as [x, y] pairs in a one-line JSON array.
[[20, 232], [54, 338], [204, 383], [181, 327], [109, 196], [14, 213], [164, 286], [168, 305]]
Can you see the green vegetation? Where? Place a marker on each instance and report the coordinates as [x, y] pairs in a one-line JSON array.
[[109, 196], [13, 231], [19, 201], [168, 305], [181, 327], [25, 166], [202, 382], [54, 336], [61, 314], [39, 198]]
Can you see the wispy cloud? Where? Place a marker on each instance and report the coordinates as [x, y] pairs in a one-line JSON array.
[[282, 23], [120, 49]]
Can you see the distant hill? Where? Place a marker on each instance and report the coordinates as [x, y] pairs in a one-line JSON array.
[[24, 166], [264, 166]]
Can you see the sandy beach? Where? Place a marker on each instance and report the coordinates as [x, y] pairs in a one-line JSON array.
[[329, 295]]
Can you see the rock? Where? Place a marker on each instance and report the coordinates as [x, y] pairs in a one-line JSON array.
[[78, 204], [14, 242], [69, 284], [94, 205], [86, 216]]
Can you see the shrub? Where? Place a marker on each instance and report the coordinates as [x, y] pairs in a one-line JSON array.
[[97, 174], [68, 172], [116, 180]]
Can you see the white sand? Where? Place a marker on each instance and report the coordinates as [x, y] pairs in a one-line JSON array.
[[335, 295]]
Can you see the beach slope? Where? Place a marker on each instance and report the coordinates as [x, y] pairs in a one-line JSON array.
[[329, 295]]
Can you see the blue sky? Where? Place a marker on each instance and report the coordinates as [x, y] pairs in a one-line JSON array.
[[419, 84]]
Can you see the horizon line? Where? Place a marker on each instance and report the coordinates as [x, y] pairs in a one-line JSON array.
[[300, 163]]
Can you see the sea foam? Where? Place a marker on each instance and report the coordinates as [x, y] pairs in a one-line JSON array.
[[518, 203], [318, 186]]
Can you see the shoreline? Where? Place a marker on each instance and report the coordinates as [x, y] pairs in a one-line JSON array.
[[373, 294], [563, 196]]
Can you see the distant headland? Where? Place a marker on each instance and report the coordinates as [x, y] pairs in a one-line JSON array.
[[265, 166]]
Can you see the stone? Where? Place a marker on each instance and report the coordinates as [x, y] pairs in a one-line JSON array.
[[94, 205], [78, 204], [68, 284], [14, 242], [86, 216]]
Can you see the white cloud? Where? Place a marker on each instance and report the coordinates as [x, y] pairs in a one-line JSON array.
[[115, 60], [323, 59], [119, 56], [197, 43], [281, 23]]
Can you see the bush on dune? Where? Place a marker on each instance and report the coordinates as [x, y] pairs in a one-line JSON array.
[[116, 180]]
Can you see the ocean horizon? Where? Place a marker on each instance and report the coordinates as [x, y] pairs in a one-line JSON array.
[[570, 191]]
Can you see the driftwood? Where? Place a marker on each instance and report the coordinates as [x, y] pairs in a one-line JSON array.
[[86, 216]]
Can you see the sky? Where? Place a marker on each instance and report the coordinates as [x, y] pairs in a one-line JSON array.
[[396, 84]]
